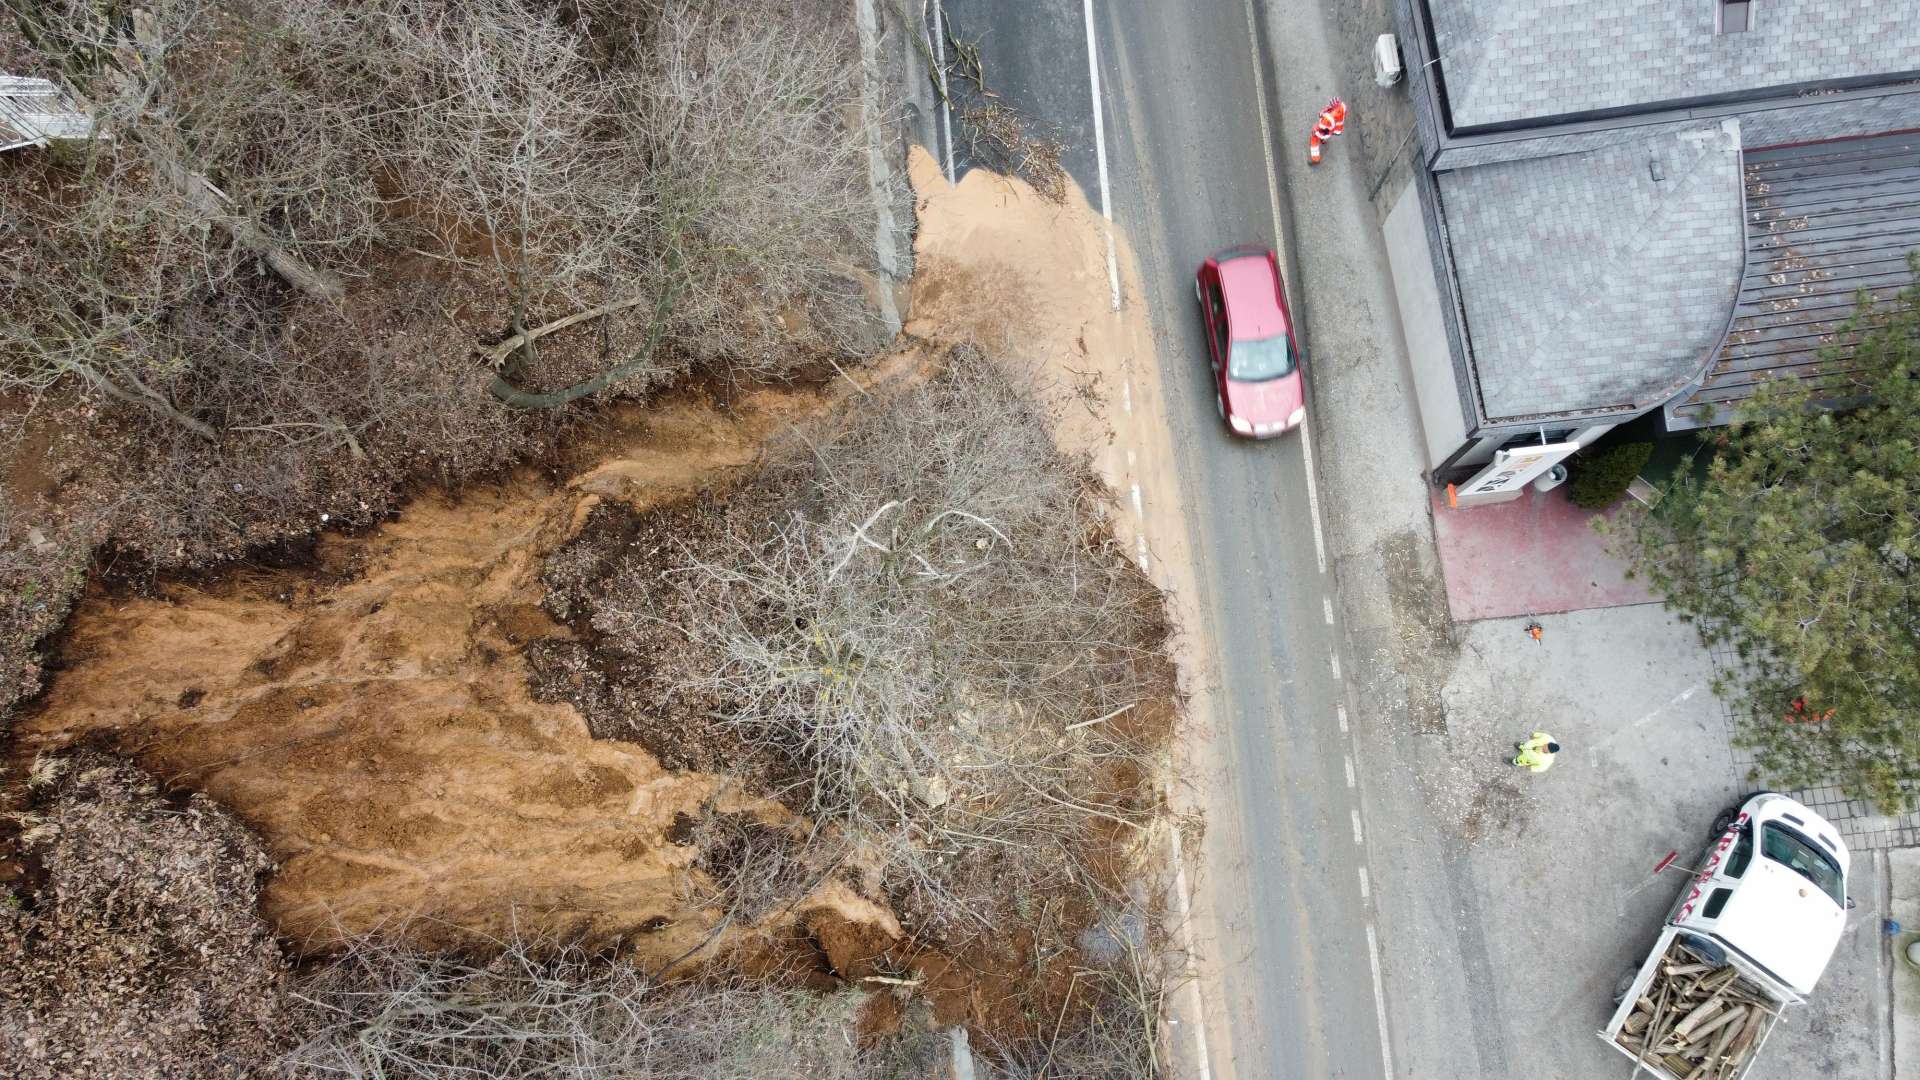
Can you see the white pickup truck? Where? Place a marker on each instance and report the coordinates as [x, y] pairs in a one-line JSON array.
[[1748, 937]]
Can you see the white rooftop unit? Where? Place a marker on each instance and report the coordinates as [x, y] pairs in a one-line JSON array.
[[1386, 60]]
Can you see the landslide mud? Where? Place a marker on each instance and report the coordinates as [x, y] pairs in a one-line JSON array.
[[372, 717]]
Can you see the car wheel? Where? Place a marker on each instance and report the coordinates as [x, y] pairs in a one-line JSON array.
[[1724, 821], [1726, 817], [1625, 984]]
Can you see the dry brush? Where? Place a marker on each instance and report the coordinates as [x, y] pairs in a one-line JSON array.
[[916, 612]]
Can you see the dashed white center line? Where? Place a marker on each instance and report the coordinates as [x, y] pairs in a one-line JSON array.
[[1359, 837], [1141, 544], [1333, 661], [1341, 712], [1366, 886], [1326, 608], [1126, 395], [1138, 511], [1349, 764], [1379, 1000]]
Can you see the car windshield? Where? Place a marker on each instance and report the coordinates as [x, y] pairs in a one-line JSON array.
[[1797, 853], [1260, 360]]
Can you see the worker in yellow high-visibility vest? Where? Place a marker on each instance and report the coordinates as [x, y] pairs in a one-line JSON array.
[[1536, 754]]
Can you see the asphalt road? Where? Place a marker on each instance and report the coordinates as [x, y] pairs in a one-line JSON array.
[[1183, 86]]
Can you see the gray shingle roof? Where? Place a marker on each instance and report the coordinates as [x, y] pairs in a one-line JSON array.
[[1586, 283], [1509, 60], [1824, 224]]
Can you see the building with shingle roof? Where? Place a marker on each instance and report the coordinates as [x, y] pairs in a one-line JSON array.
[[1643, 208]]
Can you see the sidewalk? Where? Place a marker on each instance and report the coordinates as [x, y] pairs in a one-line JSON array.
[[1904, 892], [1536, 555]]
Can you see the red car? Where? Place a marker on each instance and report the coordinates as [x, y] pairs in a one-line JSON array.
[[1256, 363]]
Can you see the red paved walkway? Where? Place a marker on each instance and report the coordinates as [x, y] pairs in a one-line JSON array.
[[1536, 555]]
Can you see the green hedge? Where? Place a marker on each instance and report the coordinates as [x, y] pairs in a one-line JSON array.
[[1600, 480]]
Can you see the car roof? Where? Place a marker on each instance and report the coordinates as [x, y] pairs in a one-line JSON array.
[[1252, 305]]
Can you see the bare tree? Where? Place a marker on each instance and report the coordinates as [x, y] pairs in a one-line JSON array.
[[541, 1009], [936, 629]]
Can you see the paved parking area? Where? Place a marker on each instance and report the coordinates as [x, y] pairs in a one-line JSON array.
[[1561, 862]]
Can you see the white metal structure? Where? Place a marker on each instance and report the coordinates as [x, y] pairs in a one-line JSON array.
[[34, 111], [1386, 60]]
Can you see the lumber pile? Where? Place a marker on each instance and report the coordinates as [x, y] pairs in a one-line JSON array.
[[1696, 1020]]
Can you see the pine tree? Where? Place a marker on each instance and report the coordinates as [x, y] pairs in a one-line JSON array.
[[1798, 549]]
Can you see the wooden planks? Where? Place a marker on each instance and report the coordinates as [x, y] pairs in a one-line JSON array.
[[1696, 1020]]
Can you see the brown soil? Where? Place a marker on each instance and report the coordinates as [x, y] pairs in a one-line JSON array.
[[371, 715]]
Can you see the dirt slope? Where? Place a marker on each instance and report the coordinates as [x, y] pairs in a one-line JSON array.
[[372, 720], [370, 715]]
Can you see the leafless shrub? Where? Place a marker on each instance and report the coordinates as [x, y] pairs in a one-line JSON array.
[[282, 269], [41, 572], [541, 1010], [757, 867], [1109, 1022], [143, 955], [939, 630]]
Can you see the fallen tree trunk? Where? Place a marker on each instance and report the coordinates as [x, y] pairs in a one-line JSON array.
[[499, 353], [210, 202]]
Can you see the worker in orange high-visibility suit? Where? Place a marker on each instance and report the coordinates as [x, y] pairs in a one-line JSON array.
[[1332, 121]]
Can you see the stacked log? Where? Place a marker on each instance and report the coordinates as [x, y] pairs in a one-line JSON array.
[[1696, 1020]]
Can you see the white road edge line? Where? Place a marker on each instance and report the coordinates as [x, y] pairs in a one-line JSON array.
[[1273, 207], [1100, 152], [1379, 1000], [1319, 530], [1186, 920], [1266, 143], [939, 37]]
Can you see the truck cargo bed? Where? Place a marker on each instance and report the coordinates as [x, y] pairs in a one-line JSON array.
[[1687, 1016]]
